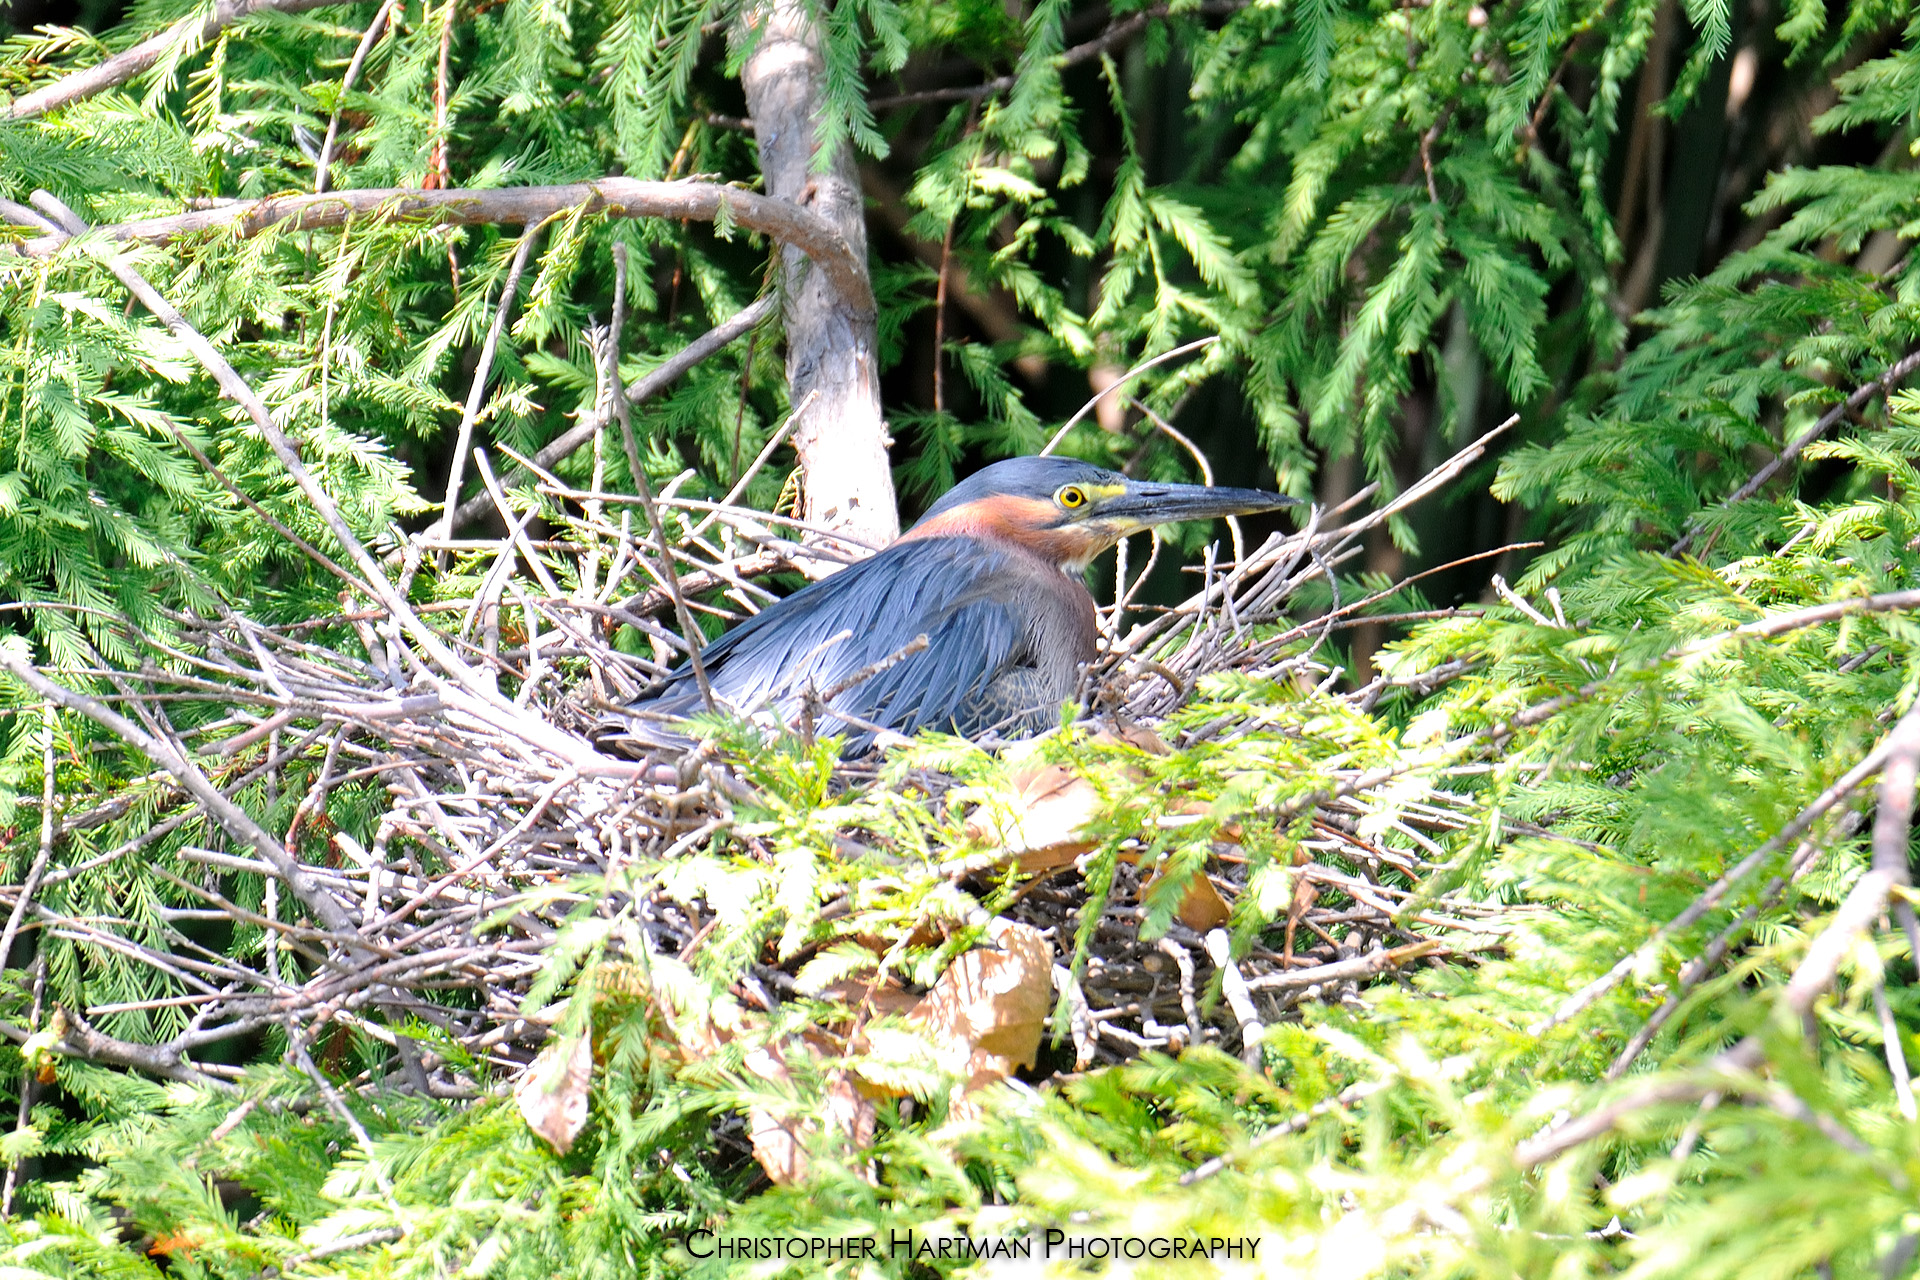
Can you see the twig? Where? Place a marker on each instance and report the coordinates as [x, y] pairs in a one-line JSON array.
[[1728, 1071], [650, 385], [347, 1244], [463, 438], [437, 175], [237, 390], [1199, 460], [774, 441], [1896, 1053], [872, 669], [26, 1084], [1239, 996], [1695, 970], [1732, 1068], [1122, 381], [610, 362], [360, 53], [80, 1040], [1345, 1098], [123, 67], [230, 816], [338, 1105], [31, 884], [1893, 817]]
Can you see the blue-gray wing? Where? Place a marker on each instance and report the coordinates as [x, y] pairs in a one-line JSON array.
[[966, 597]]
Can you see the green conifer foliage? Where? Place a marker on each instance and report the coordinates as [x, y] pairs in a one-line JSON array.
[[1672, 238]]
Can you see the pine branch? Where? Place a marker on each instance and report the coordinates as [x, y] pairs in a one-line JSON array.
[[1811, 978]]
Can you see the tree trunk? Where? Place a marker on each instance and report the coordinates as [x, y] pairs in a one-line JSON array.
[[831, 345]]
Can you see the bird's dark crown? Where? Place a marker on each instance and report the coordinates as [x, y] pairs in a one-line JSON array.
[[1035, 477]]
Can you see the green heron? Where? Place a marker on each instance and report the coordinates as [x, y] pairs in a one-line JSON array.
[[990, 576]]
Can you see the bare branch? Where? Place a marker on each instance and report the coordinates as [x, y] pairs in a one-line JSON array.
[[650, 385], [231, 817], [477, 393], [360, 53], [80, 1040], [39, 868], [1895, 372], [789, 223], [610, 374], [123, 67]]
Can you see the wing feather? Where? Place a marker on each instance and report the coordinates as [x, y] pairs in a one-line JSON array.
[[960, 592]]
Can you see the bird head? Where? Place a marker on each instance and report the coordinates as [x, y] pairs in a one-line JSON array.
[[1070, 511]]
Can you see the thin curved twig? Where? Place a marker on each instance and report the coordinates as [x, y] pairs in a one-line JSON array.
[[1122, 381], [360, 53], [1895, 372], [477, 392]]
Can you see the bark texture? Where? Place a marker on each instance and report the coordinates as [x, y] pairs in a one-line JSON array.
[[831, 346]]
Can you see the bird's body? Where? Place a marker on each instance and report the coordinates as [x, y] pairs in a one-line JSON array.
[[991, 576]]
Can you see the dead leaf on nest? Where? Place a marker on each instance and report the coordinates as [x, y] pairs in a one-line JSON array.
[[986, 1013], [1137, 736], [779, 1136], [1041, 819], [1201, 906], [780, 1141], [1305, 894], [552, 1094]]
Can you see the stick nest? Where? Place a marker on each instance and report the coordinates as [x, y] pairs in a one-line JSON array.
[[499, 825]]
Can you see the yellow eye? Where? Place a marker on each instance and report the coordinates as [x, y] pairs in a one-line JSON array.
[[1071, 497]]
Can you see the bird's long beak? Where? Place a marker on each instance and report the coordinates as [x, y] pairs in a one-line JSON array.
[[1141, 505]]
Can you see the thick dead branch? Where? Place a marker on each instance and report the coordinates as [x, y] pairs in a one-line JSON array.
[[843, 267]]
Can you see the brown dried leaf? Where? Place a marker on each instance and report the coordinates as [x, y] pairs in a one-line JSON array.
[[1137, 736], [1201, 906], [1305, 894], [776, 1139], [1042, 818], [986, 1013], [779, 1141], [552, 1093]]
